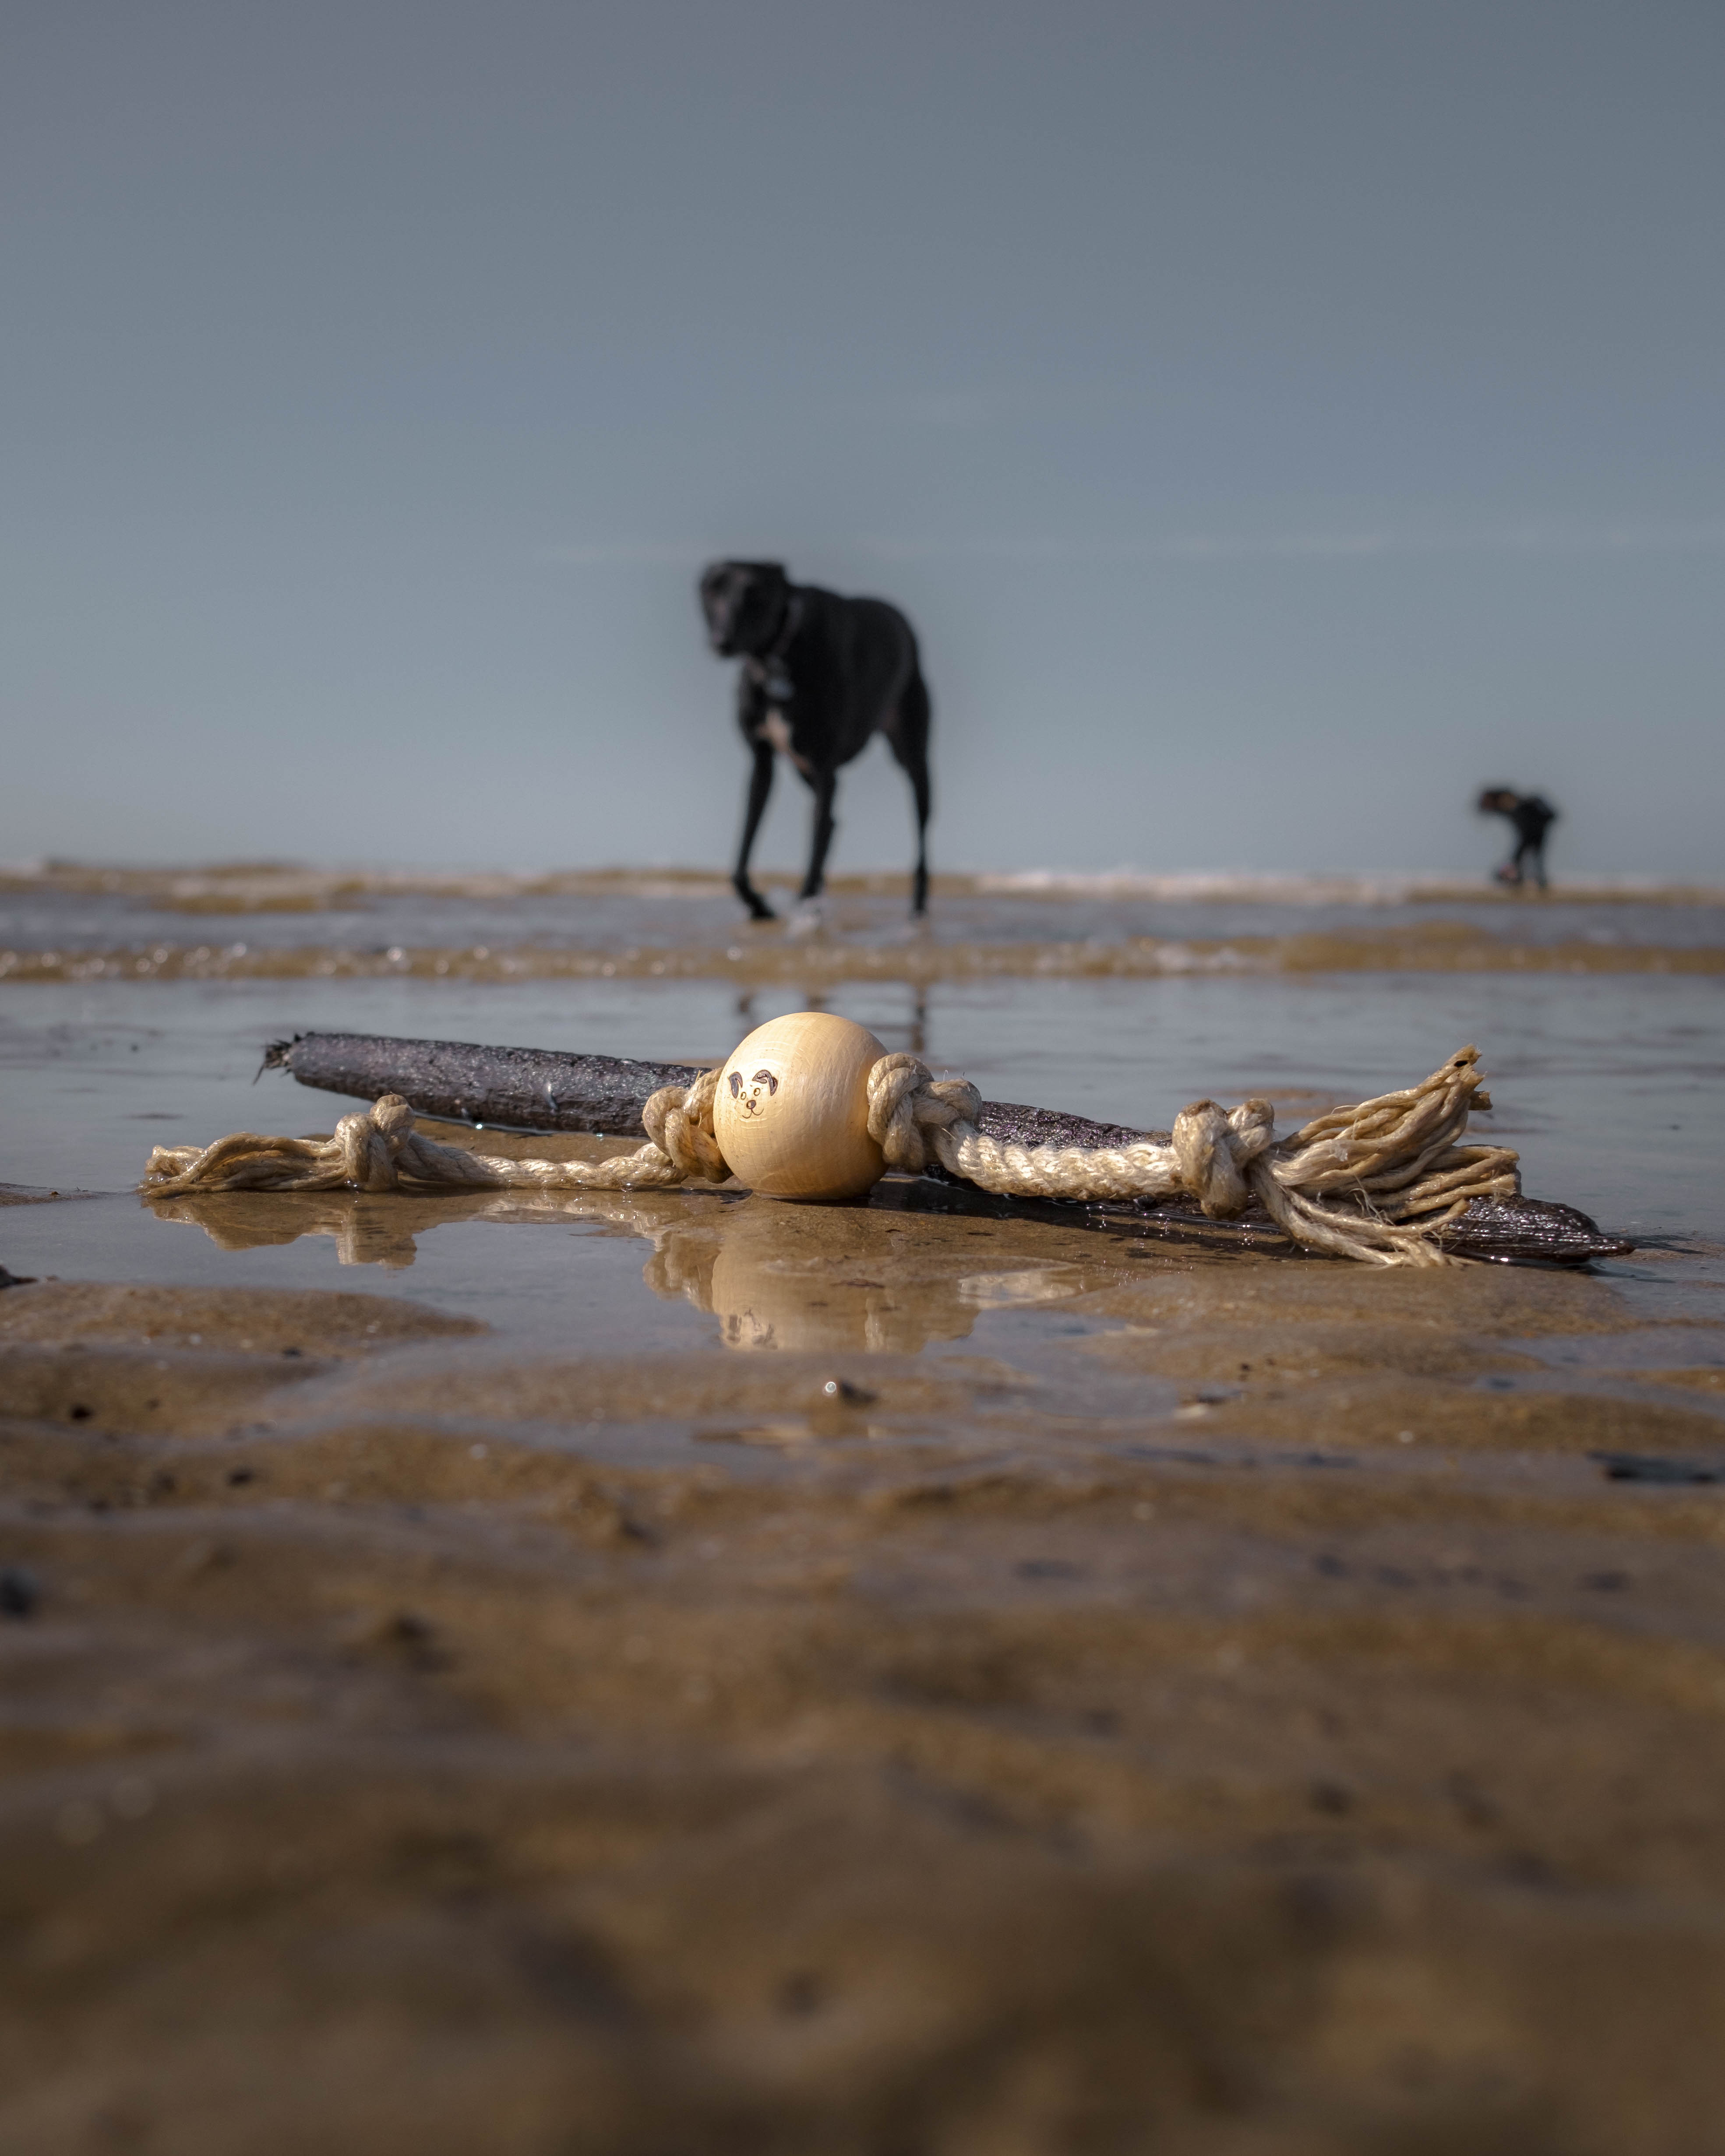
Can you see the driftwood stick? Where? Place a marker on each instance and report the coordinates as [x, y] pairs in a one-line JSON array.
[[540, 1089]]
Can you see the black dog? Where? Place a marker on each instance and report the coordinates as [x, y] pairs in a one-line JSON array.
[[819, 676], [1532, 817]]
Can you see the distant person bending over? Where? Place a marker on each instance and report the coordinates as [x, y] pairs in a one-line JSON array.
[[1532, 817]]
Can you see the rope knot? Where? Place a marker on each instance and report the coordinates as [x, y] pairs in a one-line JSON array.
[[679, 1119], [391, 1116], [1213, 1148], [368, 1142], [906, 1101]]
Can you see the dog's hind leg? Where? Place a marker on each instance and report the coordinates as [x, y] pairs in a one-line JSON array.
[[907, 737], [919, 788], [760, 786]]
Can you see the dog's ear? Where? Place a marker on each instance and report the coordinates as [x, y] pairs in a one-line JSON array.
[[769, 573]]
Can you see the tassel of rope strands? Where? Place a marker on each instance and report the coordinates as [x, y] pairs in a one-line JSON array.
[[1374, 1182]]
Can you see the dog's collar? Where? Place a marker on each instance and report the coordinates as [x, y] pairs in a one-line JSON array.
[[774, 654], [768, 667]]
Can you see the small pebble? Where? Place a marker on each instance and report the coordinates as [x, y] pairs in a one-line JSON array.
[[19, 1592]]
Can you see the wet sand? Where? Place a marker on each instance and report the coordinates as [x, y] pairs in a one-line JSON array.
[[681, 1673]]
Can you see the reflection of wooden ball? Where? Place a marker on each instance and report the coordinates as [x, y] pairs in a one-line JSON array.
[[792, 1112]]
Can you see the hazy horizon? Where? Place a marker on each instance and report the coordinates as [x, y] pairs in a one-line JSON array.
[[1278, 422]]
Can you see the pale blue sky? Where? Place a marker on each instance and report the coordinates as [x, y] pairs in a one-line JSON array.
[[1278, 419]]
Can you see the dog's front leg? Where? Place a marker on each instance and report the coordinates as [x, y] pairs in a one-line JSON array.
[[825, 784], [760, 786]]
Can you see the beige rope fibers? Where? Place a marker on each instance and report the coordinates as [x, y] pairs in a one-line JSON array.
[[1375, 1182], [382, 1150]]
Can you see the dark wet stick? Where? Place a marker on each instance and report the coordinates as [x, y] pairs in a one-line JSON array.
[[536, 1089], [1645, 1467]]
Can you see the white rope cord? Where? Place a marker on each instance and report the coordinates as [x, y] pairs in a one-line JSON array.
[[382, 1151], [1374, 1183]]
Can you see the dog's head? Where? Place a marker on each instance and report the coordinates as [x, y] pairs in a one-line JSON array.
[[744, 602], [752, 1093]]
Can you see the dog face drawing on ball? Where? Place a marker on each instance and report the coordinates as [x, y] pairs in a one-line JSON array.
[[820, 677], [752, 1093]]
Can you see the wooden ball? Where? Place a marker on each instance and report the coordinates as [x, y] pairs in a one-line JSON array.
[[792, 1111]]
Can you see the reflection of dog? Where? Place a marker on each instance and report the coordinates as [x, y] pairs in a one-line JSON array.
[[820, 674], [761, 1088]]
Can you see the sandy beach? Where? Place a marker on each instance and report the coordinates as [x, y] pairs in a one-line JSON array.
[[635, 1674]]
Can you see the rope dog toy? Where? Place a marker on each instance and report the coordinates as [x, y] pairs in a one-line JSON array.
[[812, 1107]]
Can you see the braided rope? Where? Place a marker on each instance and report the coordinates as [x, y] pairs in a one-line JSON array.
[[1375, 1182], [1372, 1183]]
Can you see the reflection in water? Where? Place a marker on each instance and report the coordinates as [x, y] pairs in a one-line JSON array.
[[366, 1230], [797, 1278], [806, 1282], [909, 1038]]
